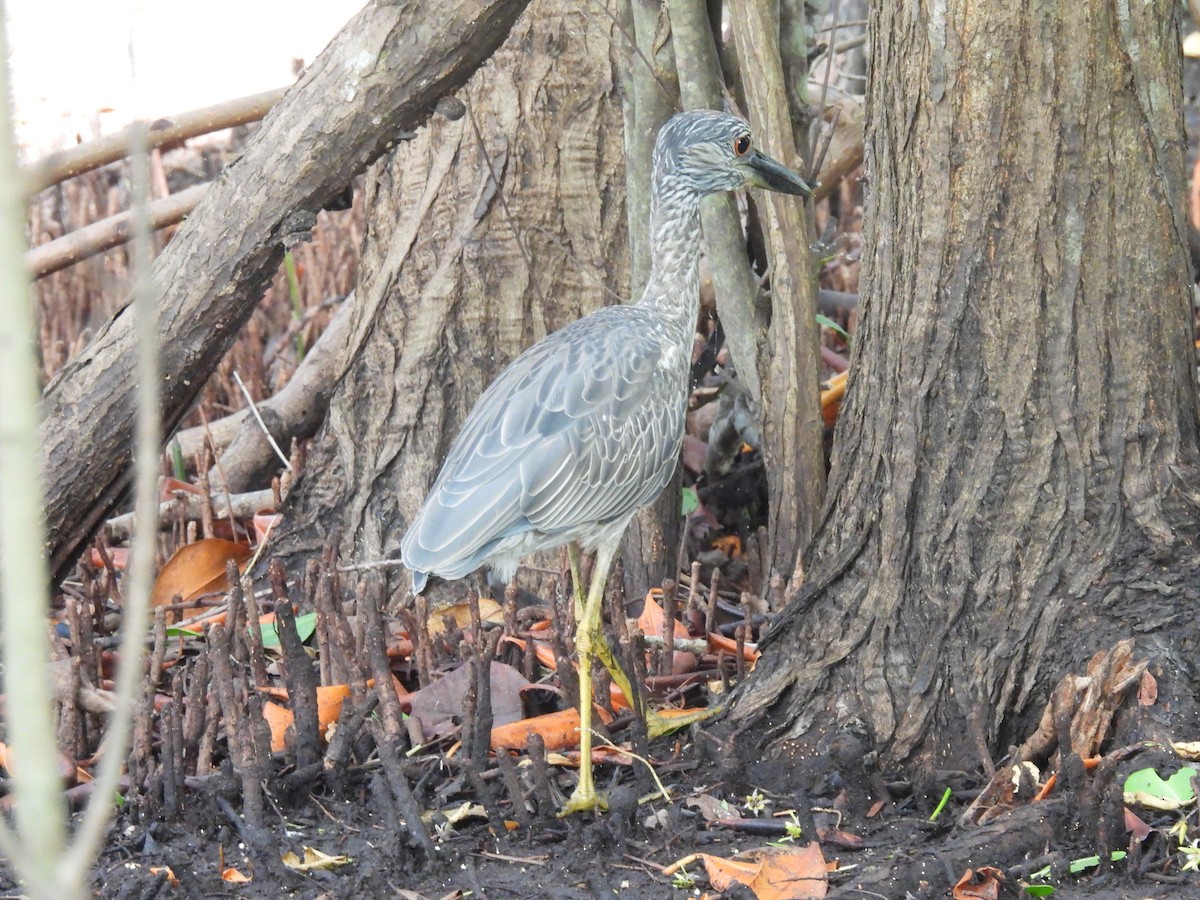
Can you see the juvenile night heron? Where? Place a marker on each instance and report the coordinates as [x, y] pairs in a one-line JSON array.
[[584, 428]]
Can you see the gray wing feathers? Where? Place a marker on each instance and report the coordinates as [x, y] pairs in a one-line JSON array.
[[583, 427]]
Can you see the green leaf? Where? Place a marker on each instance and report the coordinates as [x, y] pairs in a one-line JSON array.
[[1087, 862], [1146, 787], [826, 322], [689, 501], [305, 626], [184, 631], [1039, 890], [178, 469]]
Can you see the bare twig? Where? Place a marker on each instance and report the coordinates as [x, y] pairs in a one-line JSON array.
[[261, 424], [111, 232], [74, 161]]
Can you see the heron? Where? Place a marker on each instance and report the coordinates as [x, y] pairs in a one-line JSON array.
[[584, 428]]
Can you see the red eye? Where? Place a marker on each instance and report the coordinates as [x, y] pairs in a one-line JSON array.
[[741, 144]]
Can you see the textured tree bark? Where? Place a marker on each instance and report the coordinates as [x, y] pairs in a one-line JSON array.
[[379, 78], [484, 235], [788, 358], [1007, 494]]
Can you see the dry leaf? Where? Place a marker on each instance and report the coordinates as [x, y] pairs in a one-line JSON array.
[[118, 556], [313, 860], [1135, 826], [454, 815], [711, 808], [559, 730], [799, 874], [1147, 690], [718, 642], [171, 879], [652, 618], [489, 611], [197, 569], [724, 873], [981, 885], [264, 524], [793, 875], [233, 876], [1189, 750], [730, 545], [279, 720], [436, 705]]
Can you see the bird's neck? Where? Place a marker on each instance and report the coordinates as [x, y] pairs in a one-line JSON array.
[[673, 288]]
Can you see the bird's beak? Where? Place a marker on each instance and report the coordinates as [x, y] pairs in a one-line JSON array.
[[764, 172]]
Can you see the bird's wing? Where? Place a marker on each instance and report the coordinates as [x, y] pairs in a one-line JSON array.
[[582, 428]]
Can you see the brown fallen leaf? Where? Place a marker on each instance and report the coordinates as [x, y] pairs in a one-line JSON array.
[[981, 885], [831, 398], [171, 879], [279, 718], [489, 611], [118, 556], [1189, 750], [234, 876], [799, 874], [264, 523], [1147, 690], [313, 860], [653, 617], [718, 642], [197, 569], [793, 875], [724, 873], [436, 705], [1138, 829], [711, 808], [559, 730], [838, 838]]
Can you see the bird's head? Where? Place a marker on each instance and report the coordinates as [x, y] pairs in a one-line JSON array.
[[707, 151]]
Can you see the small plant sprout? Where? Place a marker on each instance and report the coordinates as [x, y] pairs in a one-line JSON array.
[[683, 879], [755, 802], [1189, 849], [792, 825], [942, 805], [1191, 853]]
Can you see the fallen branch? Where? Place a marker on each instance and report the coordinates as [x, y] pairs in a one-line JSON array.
[[68, 163], [110, 232], [189, 506], [293, 413]]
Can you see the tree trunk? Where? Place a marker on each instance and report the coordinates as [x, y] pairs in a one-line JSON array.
[[788, 357], [380, 77], [1007, 495], [485, 234]]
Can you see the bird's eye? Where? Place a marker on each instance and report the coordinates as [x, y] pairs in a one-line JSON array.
[[741, 144]]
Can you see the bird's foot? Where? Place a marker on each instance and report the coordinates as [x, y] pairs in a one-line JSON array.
[[584, 801]]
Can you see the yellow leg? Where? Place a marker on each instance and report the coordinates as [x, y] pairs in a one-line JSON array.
[[656, 725], [575, 558], [589, 634]]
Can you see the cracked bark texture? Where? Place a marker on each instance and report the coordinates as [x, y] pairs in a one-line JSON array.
[[379, 77], [1009, 488], [484, 234]]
